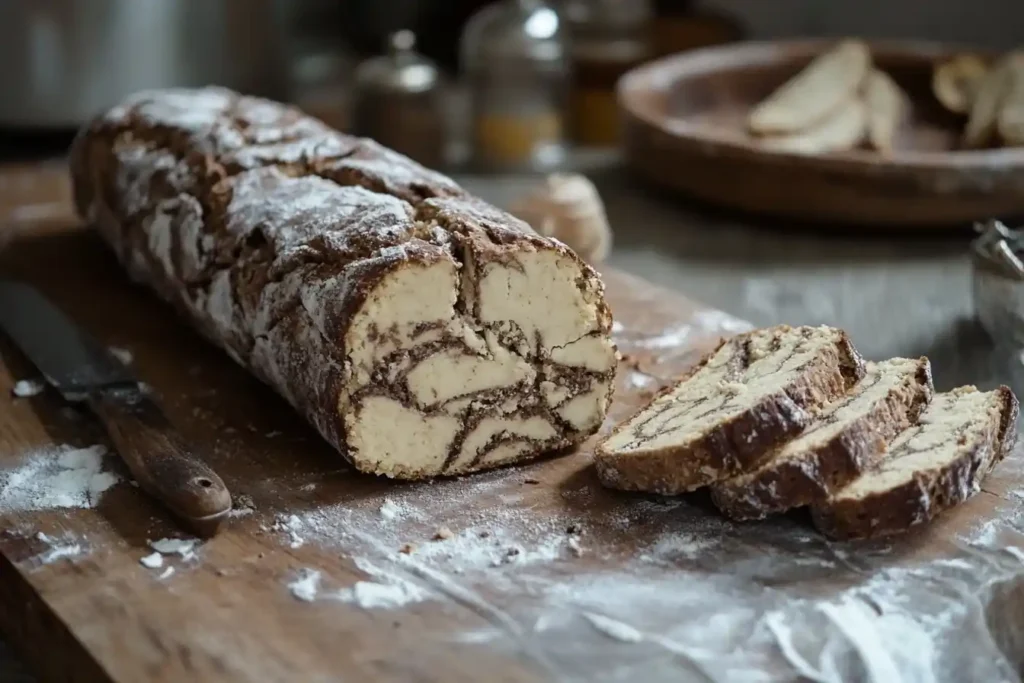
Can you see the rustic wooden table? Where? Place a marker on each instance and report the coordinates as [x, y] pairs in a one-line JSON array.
[[897, 294]]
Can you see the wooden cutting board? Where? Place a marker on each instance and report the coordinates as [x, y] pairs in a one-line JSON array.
[[532, 573]]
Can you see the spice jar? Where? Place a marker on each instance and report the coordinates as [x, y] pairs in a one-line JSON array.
[[515, 66], [607, 38], [398, 102]]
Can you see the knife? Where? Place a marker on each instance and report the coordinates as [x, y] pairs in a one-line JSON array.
[[81, 369]]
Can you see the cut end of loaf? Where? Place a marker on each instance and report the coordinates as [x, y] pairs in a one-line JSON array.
[[464, 364], [751, 394]]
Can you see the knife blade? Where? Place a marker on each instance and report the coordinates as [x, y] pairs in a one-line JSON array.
[[82, 369]]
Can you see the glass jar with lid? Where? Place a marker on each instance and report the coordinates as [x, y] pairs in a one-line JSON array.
[[398, 102], [515, 66]]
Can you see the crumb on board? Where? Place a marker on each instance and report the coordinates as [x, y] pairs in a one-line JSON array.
[[407, 549], [244, 501], [152, 561], [531, 480], [27, 388], [443, 533]]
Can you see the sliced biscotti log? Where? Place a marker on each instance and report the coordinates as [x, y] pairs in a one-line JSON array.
[[845, 437], [752, 393], [422, 331], [930, 467]]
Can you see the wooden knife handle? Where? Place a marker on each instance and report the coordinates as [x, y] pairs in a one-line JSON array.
[[160, 460]]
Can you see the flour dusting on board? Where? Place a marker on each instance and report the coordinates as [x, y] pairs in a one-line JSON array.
[[61, 477]]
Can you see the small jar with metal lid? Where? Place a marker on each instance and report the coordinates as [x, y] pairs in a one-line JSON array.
[[607, 38], [398, 102], [515, 65]]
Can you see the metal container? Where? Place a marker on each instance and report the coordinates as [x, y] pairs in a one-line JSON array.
[[998, 282], [398, 103], [61, 61]]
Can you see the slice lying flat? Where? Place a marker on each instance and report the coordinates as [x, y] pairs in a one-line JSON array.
[[748, 396], [928, 468], [846, 436]]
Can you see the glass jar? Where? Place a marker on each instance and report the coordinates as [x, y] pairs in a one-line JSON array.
[[607, 38], [515, 66], [398, 102]]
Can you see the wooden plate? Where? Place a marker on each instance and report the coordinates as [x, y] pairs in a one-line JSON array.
[[684, 128]]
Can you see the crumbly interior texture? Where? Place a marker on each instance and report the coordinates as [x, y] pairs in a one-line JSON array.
[[752, 393], [936, 464], [421, 330], [844, 438], [955, 424]]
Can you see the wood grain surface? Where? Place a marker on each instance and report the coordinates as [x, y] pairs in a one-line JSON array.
[[228, 614], [685, 129]]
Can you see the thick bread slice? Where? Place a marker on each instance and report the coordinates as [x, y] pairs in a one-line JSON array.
[[846, 436], [829, 80], [752, 393], [934, 465]]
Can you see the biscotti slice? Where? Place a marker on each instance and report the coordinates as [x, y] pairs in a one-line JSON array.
[[419, 329], [831, 79], [845, 437], [748, 396], [931, 466]]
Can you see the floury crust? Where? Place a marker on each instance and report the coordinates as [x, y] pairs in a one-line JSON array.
[[422, 331]]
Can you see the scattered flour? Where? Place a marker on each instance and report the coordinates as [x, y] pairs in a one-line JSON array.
[[153, 561], [184, 547], [57, 549], [60, 551], [27, 388], [306, 586], [613, 628], [392, 511], [373, 595], [290, 525], [62, 477], [389, 590]]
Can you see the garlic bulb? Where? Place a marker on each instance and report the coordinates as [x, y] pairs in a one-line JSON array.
[[568, 207]]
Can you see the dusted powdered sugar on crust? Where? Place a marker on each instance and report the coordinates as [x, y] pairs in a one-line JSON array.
[[754, 392], [421, 330], [934, 465], [845, 438]]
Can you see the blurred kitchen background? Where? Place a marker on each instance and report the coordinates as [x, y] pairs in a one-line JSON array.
[[61, 60], [499, 93]]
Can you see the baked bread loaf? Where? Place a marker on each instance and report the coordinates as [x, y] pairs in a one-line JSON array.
[[931, 466], [846, 436], [422, 331], [751, 394]]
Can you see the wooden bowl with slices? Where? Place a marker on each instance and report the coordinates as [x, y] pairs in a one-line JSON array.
[[829, 131]]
